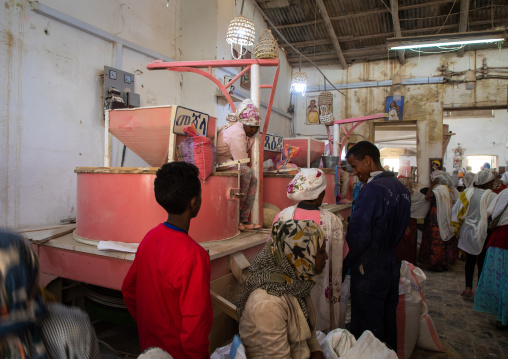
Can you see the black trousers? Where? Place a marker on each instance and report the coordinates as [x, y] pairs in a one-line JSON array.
[[475, 260], [374, 300]]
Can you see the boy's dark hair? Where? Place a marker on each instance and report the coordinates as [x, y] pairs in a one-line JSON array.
[[365, 148], [176, 183]]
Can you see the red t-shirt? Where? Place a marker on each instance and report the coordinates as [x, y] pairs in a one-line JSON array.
[[167, 292]]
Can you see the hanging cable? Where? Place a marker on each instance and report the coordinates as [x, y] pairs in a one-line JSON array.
[[291, 46]]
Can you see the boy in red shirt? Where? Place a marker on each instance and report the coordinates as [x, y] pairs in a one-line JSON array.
[[167, 288]]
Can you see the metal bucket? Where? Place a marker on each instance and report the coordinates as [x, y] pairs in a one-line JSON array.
[[330, 161]]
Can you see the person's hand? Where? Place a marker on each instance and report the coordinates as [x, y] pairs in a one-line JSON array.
[[434, 183], [317, 355]]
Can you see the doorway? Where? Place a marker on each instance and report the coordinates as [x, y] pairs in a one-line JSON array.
[[397, 144]]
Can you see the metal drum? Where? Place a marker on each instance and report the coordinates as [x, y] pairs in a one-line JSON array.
[[118, 204]]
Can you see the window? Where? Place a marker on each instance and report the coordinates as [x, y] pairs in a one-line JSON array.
[[476, 162]]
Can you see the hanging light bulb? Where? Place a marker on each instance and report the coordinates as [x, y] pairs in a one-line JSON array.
[[241, 33], [470, 79], [299, 82], [397, 87]]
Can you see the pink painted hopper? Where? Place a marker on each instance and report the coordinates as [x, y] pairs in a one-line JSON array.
[[311, 150], [146, 131]]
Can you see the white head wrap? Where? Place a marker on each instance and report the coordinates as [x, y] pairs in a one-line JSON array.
[[443, 178], [484, 176], [468, 180], [307, 185], [246, 112]]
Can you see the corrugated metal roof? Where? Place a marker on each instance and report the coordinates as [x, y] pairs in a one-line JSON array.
[[362, 27]]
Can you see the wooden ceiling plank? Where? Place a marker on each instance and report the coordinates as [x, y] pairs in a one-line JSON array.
[[331, 33], [396, 27], [464, 17]]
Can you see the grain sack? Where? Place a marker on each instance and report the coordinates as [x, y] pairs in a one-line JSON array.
[[408, 319], [427, 334]]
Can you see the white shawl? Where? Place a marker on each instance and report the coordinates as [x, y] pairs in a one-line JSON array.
[[497, 206], [473, 230], [444, 211], [325, 298]]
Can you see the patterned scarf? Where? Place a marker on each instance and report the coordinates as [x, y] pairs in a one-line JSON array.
[[286, 265], [21, 305]]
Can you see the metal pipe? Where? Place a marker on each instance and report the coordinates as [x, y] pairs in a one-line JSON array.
[[336, 139], [107, 141], [256, 162]]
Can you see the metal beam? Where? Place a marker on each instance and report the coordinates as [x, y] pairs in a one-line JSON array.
[[94, 31], [331, 32], [464, 17], [396, 27], [387, 34]]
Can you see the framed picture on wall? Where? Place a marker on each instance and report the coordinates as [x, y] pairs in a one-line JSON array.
[[245, 78], [312, 112], [436, 164], [394, 109]]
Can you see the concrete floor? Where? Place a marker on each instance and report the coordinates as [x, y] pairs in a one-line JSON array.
[[465, 334]]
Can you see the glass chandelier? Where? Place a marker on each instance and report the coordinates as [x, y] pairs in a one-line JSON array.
[[241, 33]]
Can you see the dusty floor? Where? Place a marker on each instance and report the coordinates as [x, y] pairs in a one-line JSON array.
[[464, 333]]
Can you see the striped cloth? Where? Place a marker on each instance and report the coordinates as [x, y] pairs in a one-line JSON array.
[[68, 333]]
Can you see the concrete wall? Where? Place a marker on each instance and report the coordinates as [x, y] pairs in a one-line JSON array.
[[423, 103], [479, 136], [280, 124], [51, 98]]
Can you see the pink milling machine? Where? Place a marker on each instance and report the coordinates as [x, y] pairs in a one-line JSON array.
[[116, 204]]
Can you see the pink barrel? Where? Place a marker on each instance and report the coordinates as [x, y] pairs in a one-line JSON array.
[[118, 204], [275, 186]]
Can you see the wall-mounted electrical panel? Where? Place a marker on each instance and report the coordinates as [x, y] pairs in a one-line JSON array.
[[119, 89]]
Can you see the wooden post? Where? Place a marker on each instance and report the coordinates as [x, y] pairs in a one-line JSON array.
[[464, 17], [331, 33], [396, 27]]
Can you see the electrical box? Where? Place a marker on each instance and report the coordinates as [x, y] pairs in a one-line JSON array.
[[118, 87]]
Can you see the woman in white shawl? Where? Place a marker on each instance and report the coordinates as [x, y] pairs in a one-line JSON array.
[[469, 217], [308, 189], [439, 244], [492, 291]]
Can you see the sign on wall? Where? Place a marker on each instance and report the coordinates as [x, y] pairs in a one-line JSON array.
[[185, 117], [273, 143]]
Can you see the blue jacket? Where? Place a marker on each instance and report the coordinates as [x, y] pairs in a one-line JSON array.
[[380, 219]]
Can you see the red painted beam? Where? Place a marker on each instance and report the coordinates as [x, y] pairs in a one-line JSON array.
[[159, 65]]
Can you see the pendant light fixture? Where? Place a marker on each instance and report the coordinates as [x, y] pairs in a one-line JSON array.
[[241, 33], [299, 81]]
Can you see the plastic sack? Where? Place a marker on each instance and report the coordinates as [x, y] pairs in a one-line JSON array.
[[345, 294], [408, 319], [337, 343], [288, 153], [369, 347], [234, 350], [222, 352], [199, 151], [237, 349], [427, 334]]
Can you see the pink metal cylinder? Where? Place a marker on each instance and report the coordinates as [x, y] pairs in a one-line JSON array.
[[116, 206]]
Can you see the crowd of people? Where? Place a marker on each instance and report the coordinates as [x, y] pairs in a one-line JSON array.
[[293, 285]]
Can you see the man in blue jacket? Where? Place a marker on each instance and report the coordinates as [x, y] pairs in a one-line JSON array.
[[377, 225]]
